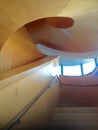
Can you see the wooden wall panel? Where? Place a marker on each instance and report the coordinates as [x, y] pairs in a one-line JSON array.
[[18, 50], [79, 96], [14, 14], [22, 89]]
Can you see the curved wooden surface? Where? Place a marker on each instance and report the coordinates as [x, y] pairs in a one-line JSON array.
[[60, 22], [14, 15], [82, 36]]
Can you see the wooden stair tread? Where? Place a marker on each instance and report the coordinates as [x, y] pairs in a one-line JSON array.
[[75, 118]]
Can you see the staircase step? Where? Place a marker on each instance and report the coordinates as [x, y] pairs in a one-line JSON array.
[[76, 109], [74, 118], [74, 125], [75, 113], [75, 122]]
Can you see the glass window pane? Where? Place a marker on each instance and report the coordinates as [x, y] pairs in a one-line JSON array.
[[72, 70], [89, 67]]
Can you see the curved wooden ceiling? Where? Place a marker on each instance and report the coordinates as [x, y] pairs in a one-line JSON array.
[[81, 37], [14, 14]]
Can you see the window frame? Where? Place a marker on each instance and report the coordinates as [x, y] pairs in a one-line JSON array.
[[81, 66]]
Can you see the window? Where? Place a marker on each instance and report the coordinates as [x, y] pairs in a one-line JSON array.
[[72, 70], [79, 70], [89, 67]]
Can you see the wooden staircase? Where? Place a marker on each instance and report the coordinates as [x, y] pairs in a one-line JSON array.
[[74, 118]]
